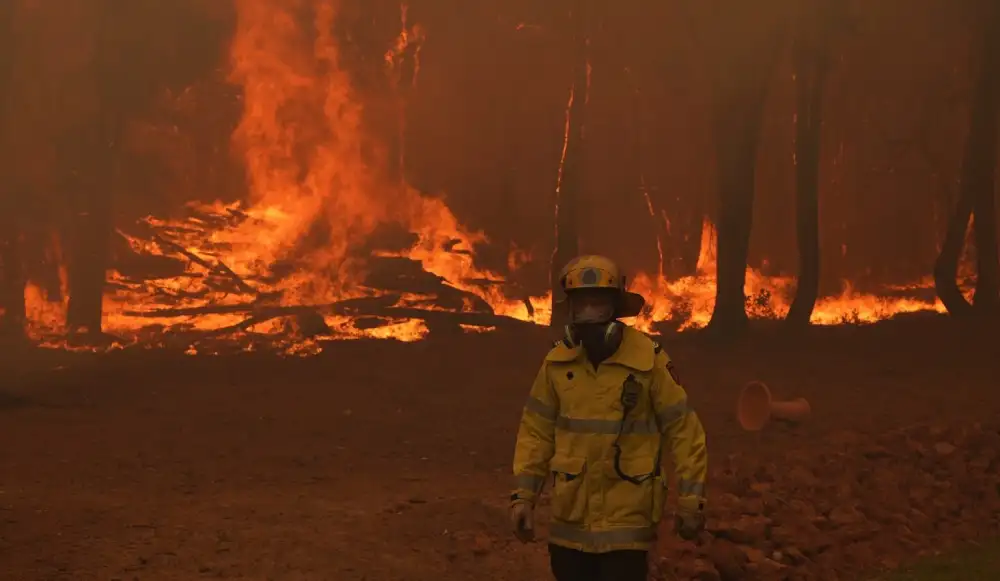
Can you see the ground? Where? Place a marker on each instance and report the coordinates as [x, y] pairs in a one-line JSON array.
[[383, 461], [981, 561]]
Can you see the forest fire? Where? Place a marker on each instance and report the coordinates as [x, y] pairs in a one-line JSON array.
[[305, 257], [219, 290]]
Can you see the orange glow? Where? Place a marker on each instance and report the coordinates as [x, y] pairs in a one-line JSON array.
[[277, 268]]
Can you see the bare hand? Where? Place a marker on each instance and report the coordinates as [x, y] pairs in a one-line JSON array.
[[522, 521], [689, 525]]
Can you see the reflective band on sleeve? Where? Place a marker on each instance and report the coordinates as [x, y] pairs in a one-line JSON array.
[[605, 537], [530, 482], [672, 413], [690, 488], [535, 405], [580, 426]]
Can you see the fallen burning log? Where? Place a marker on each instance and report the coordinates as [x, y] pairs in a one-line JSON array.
[[218, 267], [363, 303], [383, 307], [405, 275]]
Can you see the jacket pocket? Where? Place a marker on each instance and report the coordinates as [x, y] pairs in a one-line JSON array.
[[569, 492], [631, 504]]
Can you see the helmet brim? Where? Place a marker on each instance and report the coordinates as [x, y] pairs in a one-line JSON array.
[[632, 304]]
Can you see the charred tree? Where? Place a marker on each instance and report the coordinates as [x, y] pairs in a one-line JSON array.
[[987, 293], [741, 76], [92, 220], [570, 180], [976, 196], [12, 314], [811, 62]]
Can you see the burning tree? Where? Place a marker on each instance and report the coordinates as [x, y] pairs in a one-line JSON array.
[[569, 179], [92, 191], [745, 51], [976, 197], [816, 25]]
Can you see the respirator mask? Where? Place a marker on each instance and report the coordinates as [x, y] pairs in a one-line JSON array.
[[593, 325]]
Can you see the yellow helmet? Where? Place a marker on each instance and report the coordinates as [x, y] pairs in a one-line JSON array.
[[592, 271]]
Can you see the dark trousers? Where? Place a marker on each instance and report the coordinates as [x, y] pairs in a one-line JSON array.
[[573, 565]]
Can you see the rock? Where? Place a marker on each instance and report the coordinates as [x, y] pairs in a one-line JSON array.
[[862, 531], [845, 515], [785, 535], [876, 452], [728, 559], [817, 544], [859, 554], [703, 570], [802, 477], [769, 568], [944, 448], [822, 523], [754, 556], [752, 506], [806, 509], [748, 530], [725, 501], [795, 556]]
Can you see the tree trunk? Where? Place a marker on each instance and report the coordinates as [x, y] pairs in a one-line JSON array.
[[93, 220], [12, 315], [810, 58], [976, 189], [946, 265], [738, 104], [570, 180], [984, 207]]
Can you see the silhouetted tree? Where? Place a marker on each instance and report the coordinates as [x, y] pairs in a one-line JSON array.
[[817, 22], [11, 272], [746, 51], [97, 149], [567, 237], [978, 182]]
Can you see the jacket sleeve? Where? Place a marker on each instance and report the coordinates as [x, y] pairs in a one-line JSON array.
[[682, 432], [535, 439]]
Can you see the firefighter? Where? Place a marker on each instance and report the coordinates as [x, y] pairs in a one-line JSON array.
[[605, 402]]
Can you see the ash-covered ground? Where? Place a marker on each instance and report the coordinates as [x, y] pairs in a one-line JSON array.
[[384, 461]]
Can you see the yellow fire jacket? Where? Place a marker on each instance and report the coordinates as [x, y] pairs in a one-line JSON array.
[[570, 427]]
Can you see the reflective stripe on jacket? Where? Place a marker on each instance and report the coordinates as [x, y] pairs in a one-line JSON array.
[[568, 429]]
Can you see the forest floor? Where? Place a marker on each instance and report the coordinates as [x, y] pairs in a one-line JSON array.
[[980, 562], [383, 461]]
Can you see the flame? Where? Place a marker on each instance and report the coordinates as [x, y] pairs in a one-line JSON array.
[[291, 266], [46, 308], [689, 300], [316, 200]]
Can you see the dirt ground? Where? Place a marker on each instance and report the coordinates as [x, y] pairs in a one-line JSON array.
[[382, 461]]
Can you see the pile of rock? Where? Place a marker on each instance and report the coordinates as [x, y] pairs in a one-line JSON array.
[[864, 504]]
